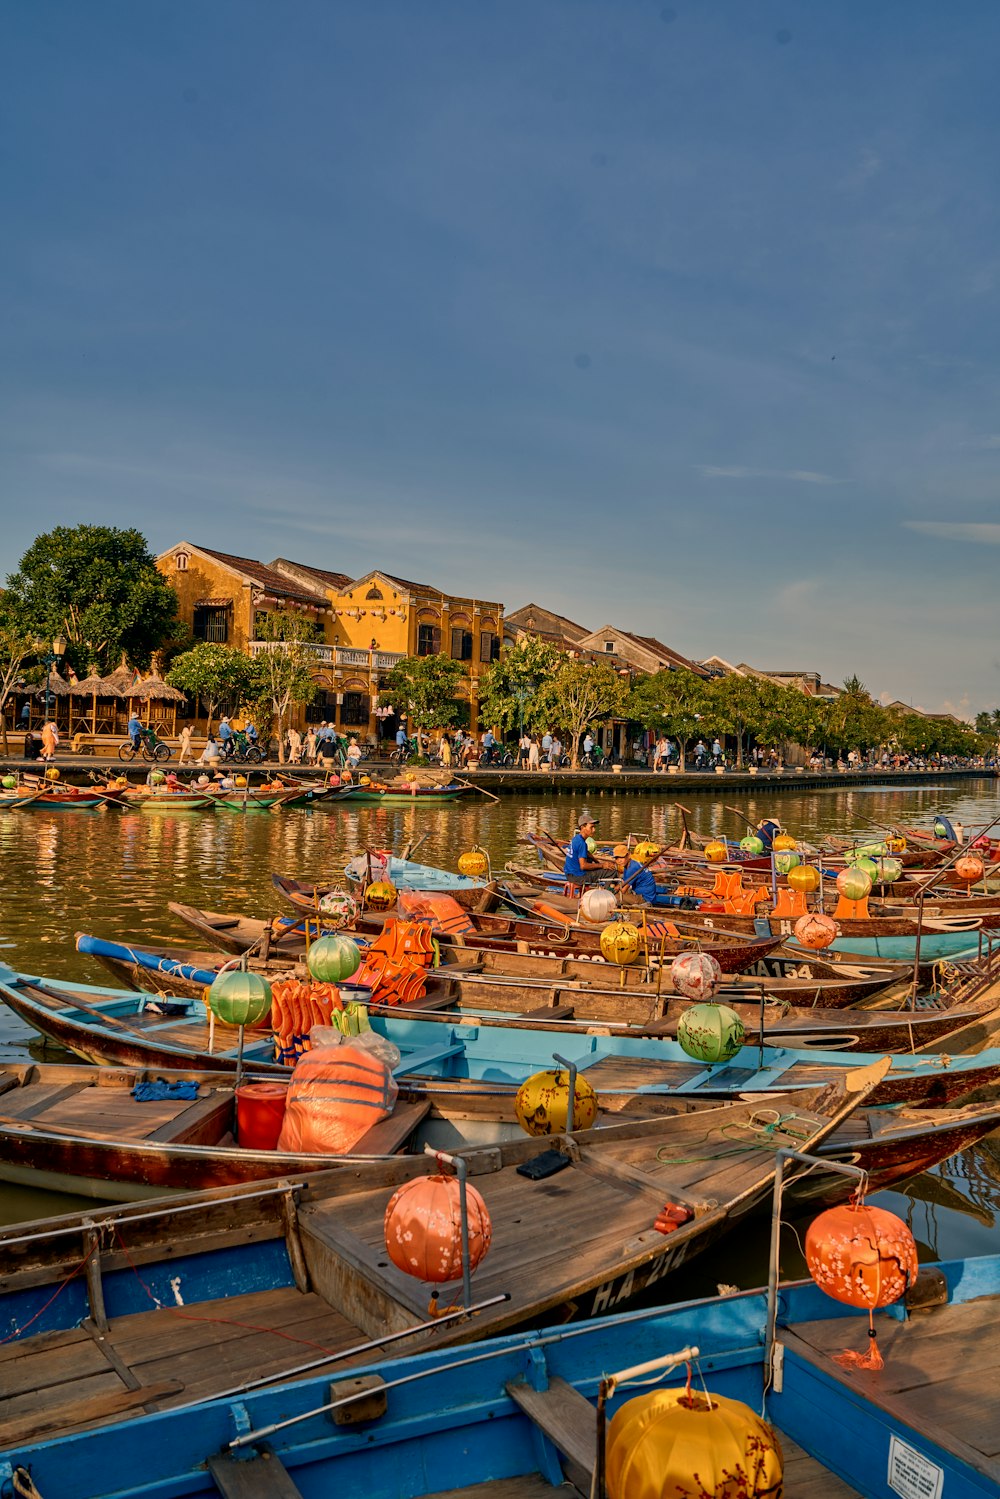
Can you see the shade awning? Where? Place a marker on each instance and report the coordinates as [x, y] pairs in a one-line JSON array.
[[213, 603]]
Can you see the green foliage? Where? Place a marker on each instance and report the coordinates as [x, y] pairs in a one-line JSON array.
[[425, 689], [99, 586], [220, 675], [672, 702], [17, 645], [511, 690], [581, 693], [282, 675]]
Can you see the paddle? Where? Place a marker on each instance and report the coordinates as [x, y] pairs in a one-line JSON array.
[[482, 791]]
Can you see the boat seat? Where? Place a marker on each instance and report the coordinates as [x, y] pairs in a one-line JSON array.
[[263, 1476], [389, 1135], [425, 1056], [567, 1419]]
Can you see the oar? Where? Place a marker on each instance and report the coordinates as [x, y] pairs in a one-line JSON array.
[[482, 790]]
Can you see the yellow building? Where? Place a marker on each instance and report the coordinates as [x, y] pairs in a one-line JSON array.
[[361, 627]]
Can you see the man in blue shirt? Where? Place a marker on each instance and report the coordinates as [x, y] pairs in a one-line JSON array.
[[638, 882], [134, 731], [580, 866], [225, 736]]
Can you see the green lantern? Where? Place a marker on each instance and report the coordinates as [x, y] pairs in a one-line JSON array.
[[9, 783], [332, 960], [854, 883], [156, 778], [886, 871], [752, 845], [239, 998], [871, 850], [711, 1033], [869, 866], [785, 861]]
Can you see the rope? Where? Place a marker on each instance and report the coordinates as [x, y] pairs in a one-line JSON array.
[[20, 1331], [24, 1484], [761, 1134]]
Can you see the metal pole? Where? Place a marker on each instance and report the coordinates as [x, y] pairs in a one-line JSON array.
[[461, 1171], [572, 1069], [780, 1157]]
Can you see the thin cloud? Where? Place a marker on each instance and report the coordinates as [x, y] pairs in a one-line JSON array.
[[794, 475], [985, 532]]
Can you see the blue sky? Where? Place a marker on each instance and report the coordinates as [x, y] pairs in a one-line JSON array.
[[680, 317]]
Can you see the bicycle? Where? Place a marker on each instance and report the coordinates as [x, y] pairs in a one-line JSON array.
[[400, 754], [239, 747], [149, 747]]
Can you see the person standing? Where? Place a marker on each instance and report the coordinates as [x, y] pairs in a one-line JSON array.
[[50, 740], [444, 751], [555, 752], [294, 746], [523, 749], [533, 753], [184, 755]]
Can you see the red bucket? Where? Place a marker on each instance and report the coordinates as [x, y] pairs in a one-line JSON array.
[[260, 1109]]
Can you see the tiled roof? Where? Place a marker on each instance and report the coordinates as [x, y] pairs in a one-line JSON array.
[[570, 630], [651, 643], [331, 580], [268, 579]]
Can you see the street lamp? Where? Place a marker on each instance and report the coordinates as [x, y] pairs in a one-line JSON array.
[[56, 654]]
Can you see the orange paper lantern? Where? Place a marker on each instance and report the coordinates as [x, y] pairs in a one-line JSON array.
[[861, 1255], [423, 1228], [816, 930], [969, 868]]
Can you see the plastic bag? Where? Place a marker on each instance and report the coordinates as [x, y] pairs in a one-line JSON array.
[[379, 1046], [335, 1096]]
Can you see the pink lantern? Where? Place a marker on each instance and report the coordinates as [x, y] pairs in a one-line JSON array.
[[816, 930], [695, 974]]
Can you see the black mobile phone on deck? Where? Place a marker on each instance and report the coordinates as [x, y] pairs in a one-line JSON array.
[[541, 1166]]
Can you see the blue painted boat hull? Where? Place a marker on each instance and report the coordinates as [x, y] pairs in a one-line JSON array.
[[450, 1421]]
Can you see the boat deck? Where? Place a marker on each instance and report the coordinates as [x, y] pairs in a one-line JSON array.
[[941, 1375], [80, 1378]]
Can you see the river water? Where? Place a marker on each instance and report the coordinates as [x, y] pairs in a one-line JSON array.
[[111, 874]]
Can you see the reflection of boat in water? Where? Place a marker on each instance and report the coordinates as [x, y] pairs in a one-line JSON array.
[[937, 1191]]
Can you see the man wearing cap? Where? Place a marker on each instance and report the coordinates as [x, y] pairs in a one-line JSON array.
[[638, 882], [580, 866]]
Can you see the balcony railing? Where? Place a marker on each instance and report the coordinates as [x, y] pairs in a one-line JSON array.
[[320, 653], [375, 660], [329, 655]]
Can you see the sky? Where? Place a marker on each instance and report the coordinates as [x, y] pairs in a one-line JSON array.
[[678, 317]]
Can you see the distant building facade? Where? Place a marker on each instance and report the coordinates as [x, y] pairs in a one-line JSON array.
[[361, 627]]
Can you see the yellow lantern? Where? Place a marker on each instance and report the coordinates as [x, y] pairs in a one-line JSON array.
[[804, 878], [646, 852], [542, 1103], [671, 1444], [620, 943], [784, 843], [52, 774], [474, 864], [895, 845], [380, 895], [716, 852], [239, 781]]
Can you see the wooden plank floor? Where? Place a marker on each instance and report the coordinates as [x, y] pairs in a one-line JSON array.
[[67, 1378], [941, 1367], [805, 1478]]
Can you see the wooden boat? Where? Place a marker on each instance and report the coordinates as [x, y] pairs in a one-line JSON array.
[[525, 1416], [642, 1009], [550, 936], [79, 1129], [137, 1029], [52, 798], [831, 980], [148, 1294], [394, 794]]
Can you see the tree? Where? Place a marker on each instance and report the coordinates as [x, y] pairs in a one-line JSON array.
[[220, 675], [510, 690], [282, 674], [99, 586], [17, 645], [582, 693], [671, 702], [424, 688], [735, 707]]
